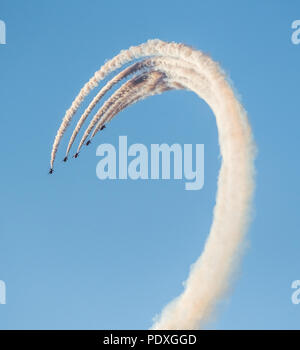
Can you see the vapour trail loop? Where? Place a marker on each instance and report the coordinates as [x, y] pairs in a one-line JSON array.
[[183, 67]]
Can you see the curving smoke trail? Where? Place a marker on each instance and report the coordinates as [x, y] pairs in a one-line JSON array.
[[155, 63], [184, 67], [138, 66], [136, 82], [147, 89], [152, 83]]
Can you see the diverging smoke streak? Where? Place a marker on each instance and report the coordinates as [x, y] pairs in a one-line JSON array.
[[180, 71], [156, 63], [141, 79], [151, 48], [210, 275], [115, 80], [135, 95], [153, 83]]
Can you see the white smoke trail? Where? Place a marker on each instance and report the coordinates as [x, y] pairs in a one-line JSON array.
[[148, 63], [156, 63], [166, 65], [151, 48], [211, 274], [121, 92], [138, 92]]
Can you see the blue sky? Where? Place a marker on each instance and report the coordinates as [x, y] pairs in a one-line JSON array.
[[78, 253]]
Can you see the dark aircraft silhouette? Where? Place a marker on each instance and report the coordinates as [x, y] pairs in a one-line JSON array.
[[102, 127], [76, 155], [89, 141], [51, 171], [65, 159]]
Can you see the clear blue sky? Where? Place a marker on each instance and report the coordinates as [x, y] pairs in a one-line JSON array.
[[78, 253]]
